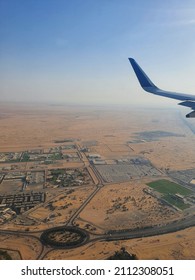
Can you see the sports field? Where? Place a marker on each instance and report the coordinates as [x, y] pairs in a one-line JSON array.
[[168, 187], [178, 203]]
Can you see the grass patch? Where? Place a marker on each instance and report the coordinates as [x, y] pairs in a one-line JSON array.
[[168, 187], [25, 157], [55, 156], [176, 202]]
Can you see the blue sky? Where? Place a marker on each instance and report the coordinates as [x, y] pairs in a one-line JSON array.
[[76, 51]]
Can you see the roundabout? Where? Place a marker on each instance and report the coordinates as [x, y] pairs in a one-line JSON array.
[[64, 237]]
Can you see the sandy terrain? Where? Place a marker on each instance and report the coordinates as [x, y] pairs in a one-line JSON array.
[[63, 206], [107, 132], [174, 246], [56, 211], [29, 247], [125, 206]]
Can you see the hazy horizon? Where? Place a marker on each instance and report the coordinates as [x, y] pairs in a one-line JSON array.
[[77, 52]]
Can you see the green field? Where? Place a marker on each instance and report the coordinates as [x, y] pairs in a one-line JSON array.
[[179, 204], [168, 187]]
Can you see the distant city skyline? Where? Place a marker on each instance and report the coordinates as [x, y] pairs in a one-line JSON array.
[[77, 51]]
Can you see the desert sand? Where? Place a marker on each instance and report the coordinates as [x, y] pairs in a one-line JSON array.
[[113, 134]]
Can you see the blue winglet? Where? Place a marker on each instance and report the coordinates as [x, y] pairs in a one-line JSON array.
[[188, 100], [144, 81]]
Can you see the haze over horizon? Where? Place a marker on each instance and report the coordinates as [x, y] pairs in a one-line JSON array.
[[77, 52]]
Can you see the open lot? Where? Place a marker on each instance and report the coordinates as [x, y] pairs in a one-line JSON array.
[[125, 206], [112, 173], [185, 176], [11, 186]]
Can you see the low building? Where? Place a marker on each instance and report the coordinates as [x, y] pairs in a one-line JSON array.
[[94, 156], [98, 161]]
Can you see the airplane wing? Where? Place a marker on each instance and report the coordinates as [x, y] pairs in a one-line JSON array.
[[187, 99]]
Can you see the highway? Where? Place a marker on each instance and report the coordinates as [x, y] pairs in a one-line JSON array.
[[116, 235], [151, 231]]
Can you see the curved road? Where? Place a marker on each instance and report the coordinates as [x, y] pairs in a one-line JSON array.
[[130, 234]]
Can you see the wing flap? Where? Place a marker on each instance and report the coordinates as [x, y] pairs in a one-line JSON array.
[[188, 103]]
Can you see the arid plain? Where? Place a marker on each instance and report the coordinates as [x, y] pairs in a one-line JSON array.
[[90, 168]]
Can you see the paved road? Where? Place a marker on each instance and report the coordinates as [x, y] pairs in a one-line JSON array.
[[119, 235], [71, 220], [151, 231]]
